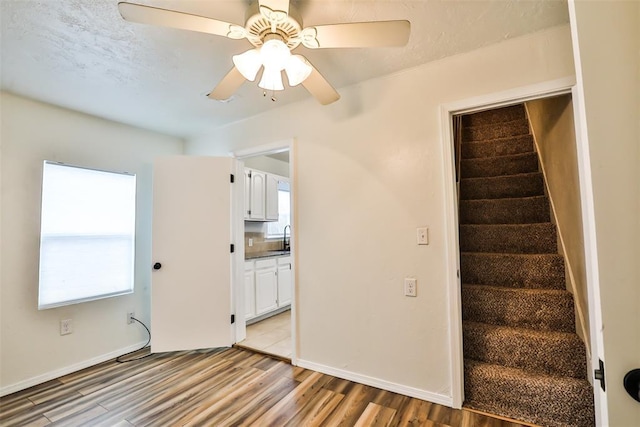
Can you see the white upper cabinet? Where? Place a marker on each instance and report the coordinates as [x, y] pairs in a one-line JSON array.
[[258, 187], [272, 198], [260, 196], [247, 193]]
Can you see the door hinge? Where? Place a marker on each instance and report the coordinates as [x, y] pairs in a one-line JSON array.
[[233, 319], [233, 248], [458, 273], [233, 178], [249, 211], [599, 374], [249, 174]]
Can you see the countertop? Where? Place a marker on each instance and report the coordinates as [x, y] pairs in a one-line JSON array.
[[266, 254]]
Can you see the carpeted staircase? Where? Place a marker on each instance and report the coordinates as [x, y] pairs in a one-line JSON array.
[[523, 359]]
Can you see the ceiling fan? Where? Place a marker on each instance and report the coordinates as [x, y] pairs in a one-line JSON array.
[[274, 28]]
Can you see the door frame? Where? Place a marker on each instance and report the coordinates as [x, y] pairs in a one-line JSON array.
[[238, 283], [492, 101]]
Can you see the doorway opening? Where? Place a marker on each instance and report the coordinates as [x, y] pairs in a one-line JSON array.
[[268, 277], [522, 264]]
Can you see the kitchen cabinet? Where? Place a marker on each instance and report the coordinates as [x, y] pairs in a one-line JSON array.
[[260, 196], [271, 204], [249, 291], [266, 286], [284, 281]]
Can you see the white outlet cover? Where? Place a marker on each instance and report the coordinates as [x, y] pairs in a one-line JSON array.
[[410, 287]]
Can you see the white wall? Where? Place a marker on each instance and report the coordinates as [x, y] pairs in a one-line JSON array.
[[267, 164], [368, 172], [32, 349], [608, 64]]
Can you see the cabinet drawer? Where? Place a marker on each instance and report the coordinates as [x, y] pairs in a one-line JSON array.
[[266, 263], [284, 260]]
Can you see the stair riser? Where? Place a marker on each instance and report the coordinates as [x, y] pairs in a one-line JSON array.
[[511, 186], [526, 239], [496, 166], [495, 131], [555, 404], [506, 114], [501, 147], [505, 211], [551, 355], [519, 308], [515, 271]]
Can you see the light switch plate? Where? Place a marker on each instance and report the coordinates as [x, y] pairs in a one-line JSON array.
[[423, 236]]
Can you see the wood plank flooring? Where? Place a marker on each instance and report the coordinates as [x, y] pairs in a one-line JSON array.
[[220, 387]]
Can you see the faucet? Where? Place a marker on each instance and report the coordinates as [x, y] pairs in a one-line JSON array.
[[285, 246]]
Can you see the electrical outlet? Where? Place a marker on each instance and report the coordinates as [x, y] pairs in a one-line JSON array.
[[130, 316], [410, 287], [250, 243], [66, 326]]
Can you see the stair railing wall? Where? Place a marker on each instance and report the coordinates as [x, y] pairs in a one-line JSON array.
[[547, 118], [457, 137]]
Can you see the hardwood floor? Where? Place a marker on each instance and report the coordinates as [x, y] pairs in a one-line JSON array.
[[220, 387]]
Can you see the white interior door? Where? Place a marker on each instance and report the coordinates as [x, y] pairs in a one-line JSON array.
[[192, 223]]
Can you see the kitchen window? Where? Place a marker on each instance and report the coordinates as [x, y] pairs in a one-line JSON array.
[[276, 229]]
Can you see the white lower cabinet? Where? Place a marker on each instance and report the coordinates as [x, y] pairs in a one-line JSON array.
[[284, 281], [249, 291], [267, 285]]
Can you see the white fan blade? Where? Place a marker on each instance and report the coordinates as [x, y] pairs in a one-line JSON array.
[[170, 18], [361, 34], [320, 88], [228, 85], [275, 5]]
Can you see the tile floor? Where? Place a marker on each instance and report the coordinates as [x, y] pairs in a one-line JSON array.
[[272, 335]]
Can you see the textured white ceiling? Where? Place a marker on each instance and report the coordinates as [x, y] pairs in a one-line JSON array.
[[82, 55]]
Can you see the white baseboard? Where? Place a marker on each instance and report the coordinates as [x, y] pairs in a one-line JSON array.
[[12, 388], [376, 382]]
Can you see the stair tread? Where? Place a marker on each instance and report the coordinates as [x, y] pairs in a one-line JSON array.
[[539, 309], [538, 398], [505, 129], [571, 336], [503, 146], [501, 157], [502, 177], [515, 255], [494, 115], [522, 290], [517, 225]]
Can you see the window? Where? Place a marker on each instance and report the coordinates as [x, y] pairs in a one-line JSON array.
[[276, 229], [87, 235]]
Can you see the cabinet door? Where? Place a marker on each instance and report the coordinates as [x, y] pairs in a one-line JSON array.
[[284, 282], [266, 290], [247, 193], [272, 198], [249, 294], [258, 186]]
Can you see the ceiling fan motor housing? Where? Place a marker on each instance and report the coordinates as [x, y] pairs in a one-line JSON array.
[[258, 27]]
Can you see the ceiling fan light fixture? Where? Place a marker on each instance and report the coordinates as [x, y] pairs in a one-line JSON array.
[[274, 53], [271, 79], [248, 63], [297, 69]]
